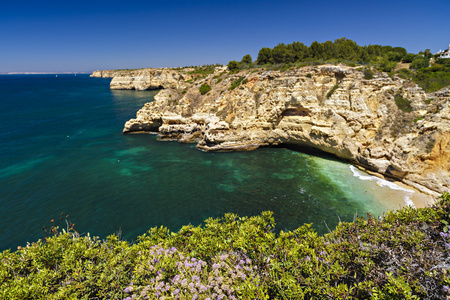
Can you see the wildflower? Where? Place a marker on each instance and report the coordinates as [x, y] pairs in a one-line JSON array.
[[223, 257], [176, 291], [128, 289], [445, 288], [184, 283], [447, 245]]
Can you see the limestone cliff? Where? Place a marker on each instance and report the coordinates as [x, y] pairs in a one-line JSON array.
[[331, 108], [104, 74]]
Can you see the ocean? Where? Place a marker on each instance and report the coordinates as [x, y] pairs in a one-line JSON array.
[[62, 151]]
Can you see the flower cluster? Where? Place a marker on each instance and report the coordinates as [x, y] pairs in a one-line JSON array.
[[225, 277], [445, 237]]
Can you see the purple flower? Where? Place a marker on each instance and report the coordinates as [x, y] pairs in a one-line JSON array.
[[444, 235], [447, 245], [128, 289], [184, 282], [176, 291], [445, 288]]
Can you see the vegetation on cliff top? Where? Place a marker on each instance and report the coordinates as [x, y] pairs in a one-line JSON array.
[[404, 255], [346, 51]]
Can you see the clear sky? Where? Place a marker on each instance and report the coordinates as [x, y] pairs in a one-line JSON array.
[[86, 35]]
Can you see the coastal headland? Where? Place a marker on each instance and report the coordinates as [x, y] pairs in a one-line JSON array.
[[386, 125]]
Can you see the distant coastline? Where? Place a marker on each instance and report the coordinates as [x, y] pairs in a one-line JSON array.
[[41, 73]]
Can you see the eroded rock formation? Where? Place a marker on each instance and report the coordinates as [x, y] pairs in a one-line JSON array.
[[331, 108]]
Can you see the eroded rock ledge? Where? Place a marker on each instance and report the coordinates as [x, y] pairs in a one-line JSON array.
[[359, 121]]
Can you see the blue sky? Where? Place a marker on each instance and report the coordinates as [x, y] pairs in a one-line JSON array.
[[81, 36]]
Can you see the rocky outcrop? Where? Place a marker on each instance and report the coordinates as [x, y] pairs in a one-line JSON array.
[[330, 108], [149, 79], [104, 74]]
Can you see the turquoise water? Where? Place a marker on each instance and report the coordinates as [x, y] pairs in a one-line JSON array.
[[62, 150]]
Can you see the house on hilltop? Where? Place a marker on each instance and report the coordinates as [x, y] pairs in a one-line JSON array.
[[444, 53]]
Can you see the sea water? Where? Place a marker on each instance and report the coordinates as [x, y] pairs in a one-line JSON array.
[[62, 151]]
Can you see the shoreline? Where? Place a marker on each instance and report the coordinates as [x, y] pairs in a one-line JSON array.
[[391, 195]]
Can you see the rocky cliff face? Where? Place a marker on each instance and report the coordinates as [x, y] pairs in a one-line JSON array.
[[330, 108], [149, 79], [144, 79], [104, 74]]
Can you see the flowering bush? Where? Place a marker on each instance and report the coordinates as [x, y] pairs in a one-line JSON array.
[[404, 255], [169, 274]]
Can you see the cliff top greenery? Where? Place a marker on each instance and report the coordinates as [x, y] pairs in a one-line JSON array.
[[403, 255], [427, 70]]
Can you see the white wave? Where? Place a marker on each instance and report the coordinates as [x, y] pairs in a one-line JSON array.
[[384, 183]]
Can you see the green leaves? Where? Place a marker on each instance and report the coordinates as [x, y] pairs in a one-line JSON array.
[[388, 258], [204, 88]]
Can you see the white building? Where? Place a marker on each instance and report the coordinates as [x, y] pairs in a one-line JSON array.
[[444, 53]]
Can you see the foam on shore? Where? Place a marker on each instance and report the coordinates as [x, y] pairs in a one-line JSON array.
[[384, 183]]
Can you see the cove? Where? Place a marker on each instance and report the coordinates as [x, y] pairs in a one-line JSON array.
[[62, 150]]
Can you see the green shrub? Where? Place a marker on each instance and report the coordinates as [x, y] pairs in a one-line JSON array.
[[247, 59], [236, 83], [420, 62], [334, 88], [308, 75], [204, 88], [233, 66], [367, 73], [402, 255], [402, 103]]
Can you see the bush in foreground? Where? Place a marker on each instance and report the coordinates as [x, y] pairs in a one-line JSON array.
[[404, 255]]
